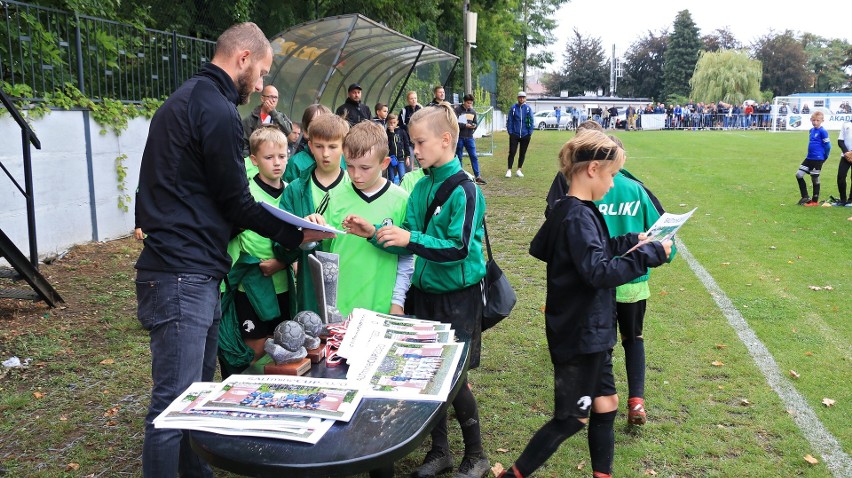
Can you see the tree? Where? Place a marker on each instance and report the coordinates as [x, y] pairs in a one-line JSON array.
[[727, 75], [643, 63], [537, 25], [721, 39], [585, 65], [825, 62], [784, 63], [681, 55]]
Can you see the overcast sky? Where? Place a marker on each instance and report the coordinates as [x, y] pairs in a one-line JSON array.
[[621, 22]]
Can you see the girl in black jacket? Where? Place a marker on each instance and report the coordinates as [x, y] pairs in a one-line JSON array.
[[584, 265]]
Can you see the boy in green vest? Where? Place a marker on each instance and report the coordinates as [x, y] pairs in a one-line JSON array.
[[262, 297], [367, 274], [306, 195]]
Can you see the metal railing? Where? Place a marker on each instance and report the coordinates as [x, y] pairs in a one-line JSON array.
[[46, 48]]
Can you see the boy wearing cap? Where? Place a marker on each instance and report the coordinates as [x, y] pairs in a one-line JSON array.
[[352, 110], [519, 124]]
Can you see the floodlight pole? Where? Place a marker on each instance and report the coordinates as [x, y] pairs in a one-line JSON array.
[[468, 83]]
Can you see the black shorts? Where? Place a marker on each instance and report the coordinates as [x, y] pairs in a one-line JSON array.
[[251, 327], [578, 381], [461, 308], [811, 166]]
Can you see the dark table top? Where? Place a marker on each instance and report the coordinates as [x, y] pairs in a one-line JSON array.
[[380, 432]]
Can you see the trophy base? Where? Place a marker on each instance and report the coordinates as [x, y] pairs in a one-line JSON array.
[[299, 367]]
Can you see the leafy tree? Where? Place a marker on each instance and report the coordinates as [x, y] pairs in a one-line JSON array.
[[643, 63], [508, 84], [681, 55], [721, 39], [825, 62], [727, 75], [537, 25], [784, 63], [585, 65]]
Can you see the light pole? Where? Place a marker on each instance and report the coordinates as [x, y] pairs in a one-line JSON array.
[[469, 19]]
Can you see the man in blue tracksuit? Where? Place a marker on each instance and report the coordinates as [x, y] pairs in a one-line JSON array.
[[519, 124]]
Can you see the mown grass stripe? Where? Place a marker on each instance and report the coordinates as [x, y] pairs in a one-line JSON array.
[[817, 435]]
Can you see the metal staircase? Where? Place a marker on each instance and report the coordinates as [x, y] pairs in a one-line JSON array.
[[21, 267]]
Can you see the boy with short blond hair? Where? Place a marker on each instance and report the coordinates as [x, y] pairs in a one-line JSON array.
[[261, 299], [368, 274], [307, 195], [819, 146]]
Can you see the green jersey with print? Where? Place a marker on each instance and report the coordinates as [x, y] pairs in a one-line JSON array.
[[258, 246], [367, 273]]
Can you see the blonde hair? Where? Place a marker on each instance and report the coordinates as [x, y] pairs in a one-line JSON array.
[[242, 36], [587, 146], [329, 127], [818, 115], [309, 114], [267, 134], [366, 137], [589, 125], [439, 119]]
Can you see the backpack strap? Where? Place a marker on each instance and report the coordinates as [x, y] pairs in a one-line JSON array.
[[443, 194]]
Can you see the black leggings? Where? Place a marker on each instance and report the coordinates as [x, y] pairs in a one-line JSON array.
[[513, 147], [467, 414], [842, 171], [575, 386]]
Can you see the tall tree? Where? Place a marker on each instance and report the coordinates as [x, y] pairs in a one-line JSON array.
[[585, 65], [825, 62], [727, 75], [643, 63], [681, 55], [537, 25], [721, 39], [784, 63]]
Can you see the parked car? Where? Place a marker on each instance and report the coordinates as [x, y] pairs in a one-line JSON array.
[[547, 120]]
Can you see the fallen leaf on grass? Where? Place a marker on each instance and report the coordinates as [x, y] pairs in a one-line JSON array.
[[789, 262], [744, 402], [717, 363], [107, 362], [664, 293], [581, 465], [721, 346], [814, 287], [72, 467], [497, 469], [726, 263], [650, 472], [794, 374], [808, 354], [828, 402], [112, 412], [810, 459], [827, 287], [111, 423], [38, 395], [502, 450], [63, 418]]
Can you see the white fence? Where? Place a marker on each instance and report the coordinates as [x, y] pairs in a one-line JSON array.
[[74, 180]]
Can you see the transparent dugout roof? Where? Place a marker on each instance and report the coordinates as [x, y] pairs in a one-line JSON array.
[[315, 62]]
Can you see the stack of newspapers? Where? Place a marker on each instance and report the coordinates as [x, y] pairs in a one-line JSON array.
[[388, 357]]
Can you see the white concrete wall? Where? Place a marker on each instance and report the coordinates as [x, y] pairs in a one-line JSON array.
[[61, 181]]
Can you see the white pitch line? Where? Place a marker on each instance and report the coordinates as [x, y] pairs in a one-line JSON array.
[[837, 461]]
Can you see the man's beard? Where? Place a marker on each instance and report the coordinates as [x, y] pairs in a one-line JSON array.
[[244, 87]]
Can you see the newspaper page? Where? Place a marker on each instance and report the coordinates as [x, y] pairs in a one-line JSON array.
[[365, 326], [182, 414], [298, 221], [665, 228], [286, 395], [409, 371]]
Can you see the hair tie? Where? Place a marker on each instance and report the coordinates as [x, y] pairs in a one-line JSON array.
[[602, 154]]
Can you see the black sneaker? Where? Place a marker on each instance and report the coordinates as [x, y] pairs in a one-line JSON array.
[[803, 201], [473, 466], [435, 463], [479, 180]]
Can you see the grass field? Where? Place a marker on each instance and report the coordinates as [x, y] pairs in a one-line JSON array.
[[77, 410]]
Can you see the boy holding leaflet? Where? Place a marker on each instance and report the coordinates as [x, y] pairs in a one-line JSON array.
[[307, 194], [367, 274]]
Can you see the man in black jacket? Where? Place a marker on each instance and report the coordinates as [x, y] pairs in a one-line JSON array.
[[352, 110], [193, 195], [265, 114]]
